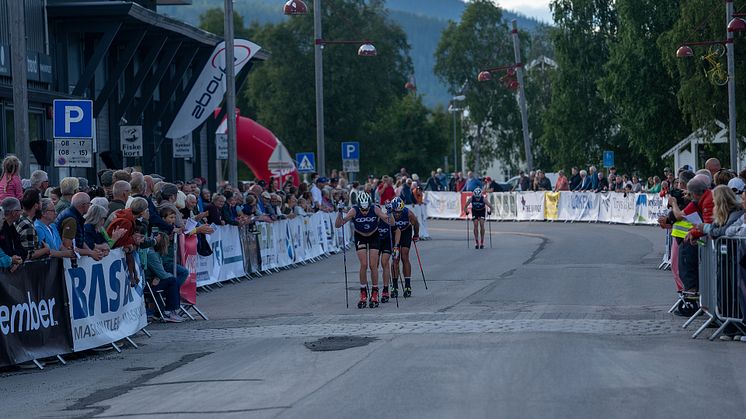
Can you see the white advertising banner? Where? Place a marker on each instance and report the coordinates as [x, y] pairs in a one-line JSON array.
[[604, 207], [504, 204], [530, 206], [623, 208], [283, 243], [104, 307], [443, 204], [267, 246], [578, 206], [209, 89], [226, 252], [648, 207]]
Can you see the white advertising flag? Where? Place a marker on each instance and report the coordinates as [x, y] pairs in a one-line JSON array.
[[209, 89]]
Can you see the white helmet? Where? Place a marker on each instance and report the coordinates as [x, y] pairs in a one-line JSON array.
[[363, 200], [477, 191]]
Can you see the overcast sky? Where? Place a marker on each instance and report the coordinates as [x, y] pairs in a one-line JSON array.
[[538, 9]]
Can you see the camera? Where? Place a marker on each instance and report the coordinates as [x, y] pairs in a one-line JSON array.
[[681, 200]]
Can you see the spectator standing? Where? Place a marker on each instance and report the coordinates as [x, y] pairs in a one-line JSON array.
[[542, 183], [593, 175], [602, 185], [656, 187], [40, 181], [121, 193], [10, 181], [471, 182], [406, 193], [562, 182], [442, 179], [30, 203], [68, 187], [70, 224], [316, 191], [10, 240], [47, 232], [432, 183], [575, 179], [7, 261], [713, 166], [215, 209], [386, 190], [726, 210], [636, 185]]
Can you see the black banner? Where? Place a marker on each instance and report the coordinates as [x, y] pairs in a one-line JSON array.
[[34, 320]]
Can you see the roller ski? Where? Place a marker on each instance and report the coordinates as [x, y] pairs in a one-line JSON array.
[[385, 295], [407, 292], [373, 298], [363, 298]]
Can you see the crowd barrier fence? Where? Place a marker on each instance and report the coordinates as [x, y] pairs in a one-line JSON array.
[[722, 284], [611, 207], [54, 307]]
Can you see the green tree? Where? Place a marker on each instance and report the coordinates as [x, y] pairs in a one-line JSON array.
[[700, 101], [482, 39], [357, 90], [421, 137], [637, 86], [578, 124]]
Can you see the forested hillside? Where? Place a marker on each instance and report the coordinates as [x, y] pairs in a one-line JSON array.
[[422, 20]]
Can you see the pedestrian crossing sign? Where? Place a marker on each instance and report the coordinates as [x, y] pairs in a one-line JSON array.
[[305, 162]]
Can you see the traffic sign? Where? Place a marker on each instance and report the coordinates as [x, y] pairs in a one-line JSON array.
[[608, 158], [73, 153], [221, 146], [351, 151], [351, 166], [73, 118], [305, 162]]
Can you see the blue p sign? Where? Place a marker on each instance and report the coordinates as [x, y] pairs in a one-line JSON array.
[[73, 119], [351, 151]]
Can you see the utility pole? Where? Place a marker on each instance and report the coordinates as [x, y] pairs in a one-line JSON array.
[[319, 73], [230, 95], [522, 96], [17, 19]]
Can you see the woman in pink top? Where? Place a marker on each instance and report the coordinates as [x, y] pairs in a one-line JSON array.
[[10, 182], [562, 182]]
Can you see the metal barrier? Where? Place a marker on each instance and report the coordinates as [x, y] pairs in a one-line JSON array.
[[721, 278], [666, 261]]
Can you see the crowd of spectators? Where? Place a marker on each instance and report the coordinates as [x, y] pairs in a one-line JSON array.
[[579, 180]]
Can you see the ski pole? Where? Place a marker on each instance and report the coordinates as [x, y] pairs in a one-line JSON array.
[[467, 231], [344, 258], [391, 262], [420, 262], [490, 225]]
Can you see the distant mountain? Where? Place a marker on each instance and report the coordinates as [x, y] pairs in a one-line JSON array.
[[422, 20]]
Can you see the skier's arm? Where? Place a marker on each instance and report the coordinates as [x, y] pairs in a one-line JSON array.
[[415, 224], [340, 221]]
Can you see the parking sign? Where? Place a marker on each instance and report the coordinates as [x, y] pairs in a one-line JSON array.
[[73, 118], [351, 151]]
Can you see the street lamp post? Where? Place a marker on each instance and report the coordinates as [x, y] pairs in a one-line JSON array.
[[516, 70], [453, 109], [736, 23], [298, 7]]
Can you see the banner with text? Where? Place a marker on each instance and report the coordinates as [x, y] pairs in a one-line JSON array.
[[34, 323], [104, 307]]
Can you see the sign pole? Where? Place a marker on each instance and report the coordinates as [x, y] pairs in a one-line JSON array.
[[20, 83]]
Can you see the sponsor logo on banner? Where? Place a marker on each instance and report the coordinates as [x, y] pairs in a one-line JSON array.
[[34, 322], [209, 89], [551, 205], [443, 205], [530, 206], [103, 306]]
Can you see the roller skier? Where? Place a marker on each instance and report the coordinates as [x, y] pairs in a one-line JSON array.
[[478, 206], [365, 219], [407, 230]]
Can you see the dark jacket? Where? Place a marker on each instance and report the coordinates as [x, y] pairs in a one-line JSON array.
[[214, 215], [575, 181], [93, 236], [602, 185], [10, 241], [72, 212]]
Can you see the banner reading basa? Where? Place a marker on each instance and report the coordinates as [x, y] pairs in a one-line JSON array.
[[103, 306], [33, 321], [530, 206]]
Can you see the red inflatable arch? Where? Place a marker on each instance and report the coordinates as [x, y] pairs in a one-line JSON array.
[[263, 152]]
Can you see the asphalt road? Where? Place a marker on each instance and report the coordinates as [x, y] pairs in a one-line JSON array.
[[555, 321]]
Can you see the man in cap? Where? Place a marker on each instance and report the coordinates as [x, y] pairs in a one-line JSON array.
[[316, 191]]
